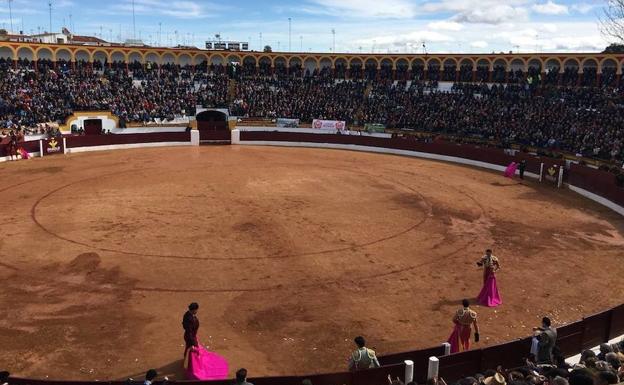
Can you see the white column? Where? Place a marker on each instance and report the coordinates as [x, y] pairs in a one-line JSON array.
[[235, 136], [409, 371], [194, 137], [541, 172], [434, 366], [64, 145], [40, 148], [560, 180], [447, 348]]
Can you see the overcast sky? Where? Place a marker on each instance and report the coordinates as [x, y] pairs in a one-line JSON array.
[[360, 25]]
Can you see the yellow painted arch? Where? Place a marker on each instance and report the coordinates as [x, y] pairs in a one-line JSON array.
[[352, 59], [550, 59], [431, 59], [535, 58], [44, 48], [587, 59], [13, 51], [418, 60], [61, 49], [172, 55], [113, 52], [269, 58], [280, 57], [106, 54], [506, 62], [245, 57], [216, 55], [454, 60], [295, 57], [521, 60], [340, 57], [368, 58], [605, 59], [148, 53], [396, 61], [184, 54], [316, 60], [386, 60], [134, 53], [206, 57], [86, 51]]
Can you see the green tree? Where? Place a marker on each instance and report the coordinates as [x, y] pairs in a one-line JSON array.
[[614, 48]]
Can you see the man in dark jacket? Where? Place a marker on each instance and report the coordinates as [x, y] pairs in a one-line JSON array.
[[547, 337], [190, 323]]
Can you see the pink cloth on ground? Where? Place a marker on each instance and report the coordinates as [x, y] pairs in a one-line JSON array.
[[205, 365], [489, 293], [510, 171], [24, 153]]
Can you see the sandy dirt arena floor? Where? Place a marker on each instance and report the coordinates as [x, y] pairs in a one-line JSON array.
[[290, 253]]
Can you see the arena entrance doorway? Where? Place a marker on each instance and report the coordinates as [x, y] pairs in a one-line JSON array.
[[213, 126], [93, 126], [212, 120]]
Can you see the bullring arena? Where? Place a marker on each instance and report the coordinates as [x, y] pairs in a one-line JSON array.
[[350, 195], [289, 251]]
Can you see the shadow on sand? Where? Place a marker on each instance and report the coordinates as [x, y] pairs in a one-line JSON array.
[[174, 371], [456, 303]]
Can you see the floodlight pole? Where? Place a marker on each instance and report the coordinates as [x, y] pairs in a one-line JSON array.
[[50, 14], [11, 15], [133, 22], [289, 34]]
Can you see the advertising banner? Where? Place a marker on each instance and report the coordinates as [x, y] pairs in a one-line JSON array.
[[287, 123], [374, 127], [330, 125], [52, 146]]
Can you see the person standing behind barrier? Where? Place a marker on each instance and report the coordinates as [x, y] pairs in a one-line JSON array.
[[363, 357], [522, 168], [4, 377], [464, 319], [241, 377], [150, 376], [544, 339]]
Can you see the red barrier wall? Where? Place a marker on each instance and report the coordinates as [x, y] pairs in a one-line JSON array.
[[597, 181], [215, 135], [466, 151], [419, 357], [103, 140], [30, 146]]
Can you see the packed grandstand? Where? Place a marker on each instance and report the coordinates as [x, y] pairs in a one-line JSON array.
[[579, 113]]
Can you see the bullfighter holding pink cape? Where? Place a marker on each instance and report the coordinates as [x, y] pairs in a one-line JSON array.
[[489, 293], [200, 364], [464, 318]]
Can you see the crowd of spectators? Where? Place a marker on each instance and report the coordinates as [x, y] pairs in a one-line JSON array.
[[554, 112], [604, 368]]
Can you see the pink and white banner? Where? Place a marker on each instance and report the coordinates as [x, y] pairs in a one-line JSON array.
[[331, 125]]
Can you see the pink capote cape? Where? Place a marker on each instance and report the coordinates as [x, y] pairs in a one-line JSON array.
[[510, 171], [489, 293], [460, 338], [23, 153], [201, 364]]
